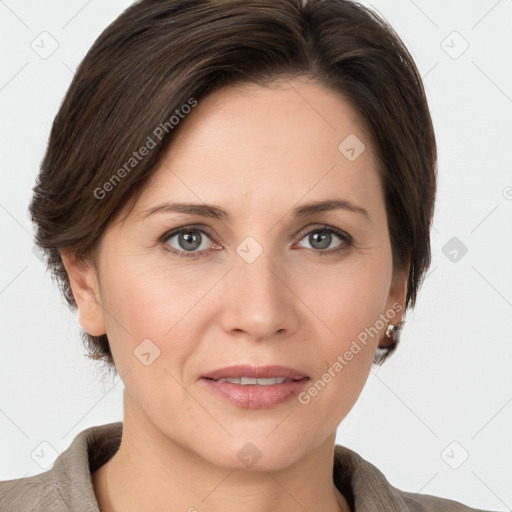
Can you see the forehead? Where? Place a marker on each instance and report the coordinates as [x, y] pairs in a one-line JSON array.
[[250, 145]]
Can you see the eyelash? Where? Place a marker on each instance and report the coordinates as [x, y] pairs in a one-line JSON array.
[[345, 237]]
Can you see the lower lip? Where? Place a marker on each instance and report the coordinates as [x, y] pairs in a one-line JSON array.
[[253, 396]]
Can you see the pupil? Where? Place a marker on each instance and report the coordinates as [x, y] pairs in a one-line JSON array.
[[189, 241], [325, 239]]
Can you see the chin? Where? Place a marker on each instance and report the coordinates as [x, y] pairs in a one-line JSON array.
[[256, 452]]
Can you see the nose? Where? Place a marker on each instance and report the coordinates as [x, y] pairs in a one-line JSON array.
[[259, 303]]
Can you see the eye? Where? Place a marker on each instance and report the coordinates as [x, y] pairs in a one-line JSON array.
[[321, 238], [188, 242]]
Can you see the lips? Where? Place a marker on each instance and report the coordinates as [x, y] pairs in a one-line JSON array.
[[253, 387], [255, 372]]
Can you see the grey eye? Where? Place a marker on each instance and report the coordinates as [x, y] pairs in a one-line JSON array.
[[189, 240]]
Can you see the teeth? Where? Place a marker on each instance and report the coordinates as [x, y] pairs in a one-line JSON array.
[[244, 381]]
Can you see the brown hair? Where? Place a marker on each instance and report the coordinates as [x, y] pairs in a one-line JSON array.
[[146, 70]]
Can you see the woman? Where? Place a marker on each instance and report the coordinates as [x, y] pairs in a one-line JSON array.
[[237, 198]]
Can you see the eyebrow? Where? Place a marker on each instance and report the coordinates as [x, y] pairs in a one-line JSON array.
[[215, 212]]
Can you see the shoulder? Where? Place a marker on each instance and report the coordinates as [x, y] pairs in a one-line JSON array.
[[428, 503], [67, 486], [37, 492], [366, 488]]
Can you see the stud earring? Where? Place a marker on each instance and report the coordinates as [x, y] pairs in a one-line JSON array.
[[392, 329]]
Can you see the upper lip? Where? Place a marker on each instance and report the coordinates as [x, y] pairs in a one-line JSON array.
[[258, 372]]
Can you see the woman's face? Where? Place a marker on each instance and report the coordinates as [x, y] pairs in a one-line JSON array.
[[258, 285]]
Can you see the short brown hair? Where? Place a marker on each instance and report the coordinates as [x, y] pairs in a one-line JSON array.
[[159, 55]]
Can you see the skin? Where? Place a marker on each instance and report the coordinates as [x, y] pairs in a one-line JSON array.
[[257, 153]]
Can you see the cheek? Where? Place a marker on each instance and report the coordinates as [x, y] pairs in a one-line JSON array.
[[353, 314], [150, 326], [149, 300], [345, 360], [349, 297]]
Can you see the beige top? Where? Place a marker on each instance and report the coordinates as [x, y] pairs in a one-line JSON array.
[[67, 486]]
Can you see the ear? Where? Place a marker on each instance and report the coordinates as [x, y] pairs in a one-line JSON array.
[[395, 304], [398, 293], [84, 284]]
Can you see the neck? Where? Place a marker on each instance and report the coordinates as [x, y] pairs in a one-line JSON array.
[[151, 472]]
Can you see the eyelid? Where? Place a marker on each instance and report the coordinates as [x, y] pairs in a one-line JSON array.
[[320, 227]]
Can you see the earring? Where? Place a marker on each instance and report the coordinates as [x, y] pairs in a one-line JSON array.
[[392, 330], [393, 335]]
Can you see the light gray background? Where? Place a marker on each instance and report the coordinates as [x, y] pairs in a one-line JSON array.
[[445, 395]]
